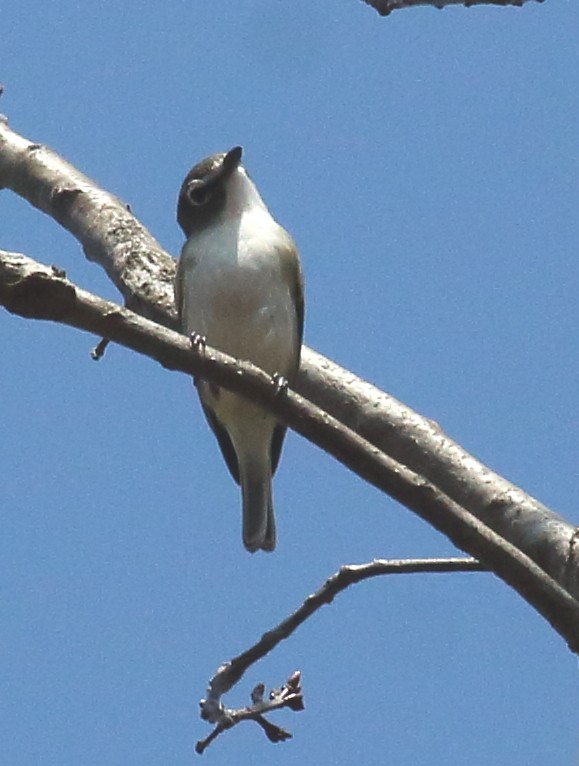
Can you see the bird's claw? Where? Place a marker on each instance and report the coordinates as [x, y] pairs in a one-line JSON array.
[[280, 384], [198, 342]]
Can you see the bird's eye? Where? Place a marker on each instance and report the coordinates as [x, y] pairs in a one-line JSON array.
[[198, 195]]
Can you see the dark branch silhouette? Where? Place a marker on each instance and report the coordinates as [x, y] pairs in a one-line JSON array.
[[385, 7]]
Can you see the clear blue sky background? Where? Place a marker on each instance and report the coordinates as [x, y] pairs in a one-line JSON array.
[[427, 165]]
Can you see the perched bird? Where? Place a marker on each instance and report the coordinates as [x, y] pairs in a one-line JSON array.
[[239, 285]]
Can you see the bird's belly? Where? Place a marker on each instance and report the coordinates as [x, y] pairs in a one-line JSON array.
[[244, 309]]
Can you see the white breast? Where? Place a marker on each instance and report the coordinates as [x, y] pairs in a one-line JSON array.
[[235, 291]]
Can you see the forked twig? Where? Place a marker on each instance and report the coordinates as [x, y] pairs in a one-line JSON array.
[[289, 695]]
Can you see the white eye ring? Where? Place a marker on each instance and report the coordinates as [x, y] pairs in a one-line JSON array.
[[198, 194]]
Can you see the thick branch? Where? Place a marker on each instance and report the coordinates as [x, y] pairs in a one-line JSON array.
[[110, 236], [33, 290], [385, 7], [144, 275]]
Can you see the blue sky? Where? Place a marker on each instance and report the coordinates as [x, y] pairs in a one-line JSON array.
[[427, 165]]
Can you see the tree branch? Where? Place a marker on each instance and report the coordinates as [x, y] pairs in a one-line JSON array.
[[289, 695], [231, 672], [32, 290], [110, 236], [144, 273], [385, 7]]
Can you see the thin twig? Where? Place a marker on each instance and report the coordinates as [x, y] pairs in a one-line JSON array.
[[98, 351], [232, 671], [289, 695]]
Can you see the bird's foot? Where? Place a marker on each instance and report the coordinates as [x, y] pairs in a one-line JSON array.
[[198, 342], [280, 384]]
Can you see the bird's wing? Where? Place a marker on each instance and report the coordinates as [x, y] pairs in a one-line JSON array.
[[227, 449], [292, 272], [188, 262]]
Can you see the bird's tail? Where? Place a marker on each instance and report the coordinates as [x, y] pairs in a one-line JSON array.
[[258, 520]]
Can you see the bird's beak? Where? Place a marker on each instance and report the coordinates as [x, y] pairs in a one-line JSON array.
[[222, 169], [231, 160]]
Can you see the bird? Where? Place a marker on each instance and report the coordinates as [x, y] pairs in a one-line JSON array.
[[239, 287]]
